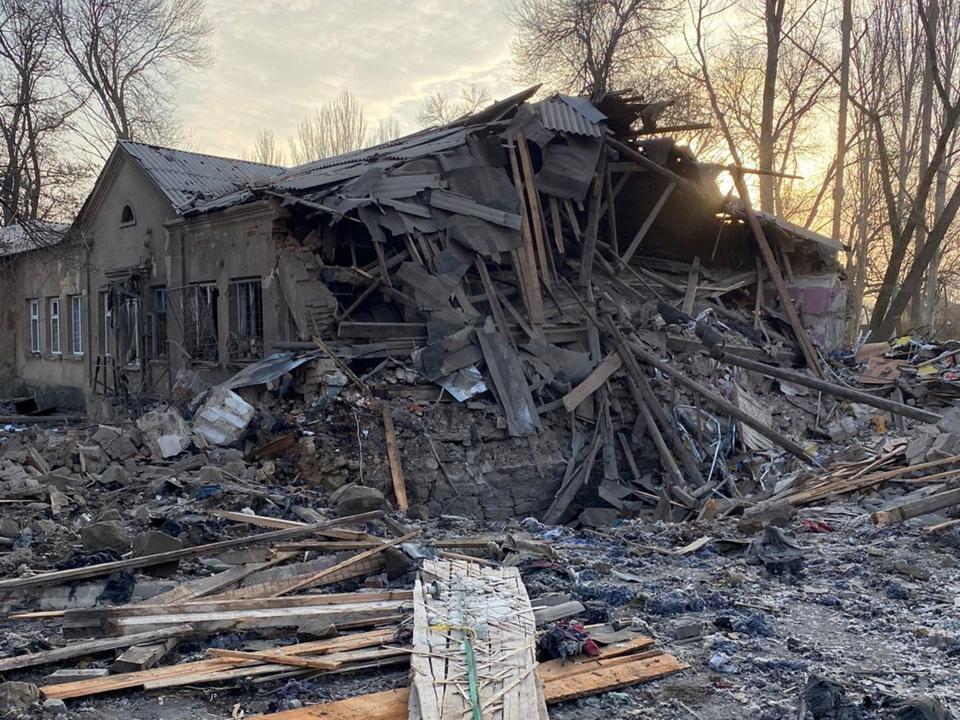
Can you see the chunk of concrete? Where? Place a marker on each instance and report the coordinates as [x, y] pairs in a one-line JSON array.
[[115, 474], [9, 528], [686, 629], [154, 542], [165, 432], [768, 512], [105, 535], [353, 499], [16, 699], [223, 418]]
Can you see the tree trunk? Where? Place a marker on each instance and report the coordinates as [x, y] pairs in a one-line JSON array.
[[773, 16], [933, 281], [846, 24], [858, 282], [917, 313], [920, 263]]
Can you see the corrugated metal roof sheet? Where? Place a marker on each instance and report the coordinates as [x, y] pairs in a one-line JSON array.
[[555, 114], [358, 162], [584, 107], [185, 177], [464, 205]]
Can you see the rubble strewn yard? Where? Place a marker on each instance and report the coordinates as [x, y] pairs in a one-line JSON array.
[[563, 432]]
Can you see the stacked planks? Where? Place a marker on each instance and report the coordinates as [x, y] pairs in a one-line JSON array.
[[617, 666]]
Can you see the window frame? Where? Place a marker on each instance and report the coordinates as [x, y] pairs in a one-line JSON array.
[[245, 311], [105, 322], [53, 325], [157, 321], [36, 331], [133, 216], [76, 325]]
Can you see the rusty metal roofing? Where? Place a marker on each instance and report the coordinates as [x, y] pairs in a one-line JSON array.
[[188, 177], [559, 115]]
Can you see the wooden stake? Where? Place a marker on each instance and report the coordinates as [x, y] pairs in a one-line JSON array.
[[393, 455]]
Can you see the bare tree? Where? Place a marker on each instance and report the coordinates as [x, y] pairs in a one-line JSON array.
[[738, 79], [34, 110], [440, 108], [126, 53], [336, 127], [897, 295], [587, 46], [387, 130], [265, 149]]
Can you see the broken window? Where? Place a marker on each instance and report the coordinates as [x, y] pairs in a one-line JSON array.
[[126, 216], [200, 329], [35, 345], [127, 326], [246, 319], [54, 326], [107, 340], [76, 324], [157, 323]]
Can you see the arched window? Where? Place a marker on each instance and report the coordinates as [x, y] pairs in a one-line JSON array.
[[126, 216]]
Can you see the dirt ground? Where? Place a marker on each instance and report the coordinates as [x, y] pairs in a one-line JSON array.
[[876, 610]]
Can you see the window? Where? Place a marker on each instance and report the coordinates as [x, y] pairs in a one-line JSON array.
[[126, 216], [54, 326], [35, 345], [158, 323], [107, 339], [200, 324], [76, 324], [246, 319]]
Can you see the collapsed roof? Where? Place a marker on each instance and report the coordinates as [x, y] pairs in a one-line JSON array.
[[457, 179]]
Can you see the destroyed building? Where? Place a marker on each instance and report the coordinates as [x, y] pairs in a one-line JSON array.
[[450, 251]]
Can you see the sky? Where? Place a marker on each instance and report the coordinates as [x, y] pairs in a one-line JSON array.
[[277, 60]]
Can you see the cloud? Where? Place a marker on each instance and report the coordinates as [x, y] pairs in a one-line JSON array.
[[276, 60]]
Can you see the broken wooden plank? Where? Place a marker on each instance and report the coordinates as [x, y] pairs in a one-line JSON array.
[[92, 647], [329, 648], [60, 576], [803, 338], [721, 403], [692, 279], [279, 586], [574, 478], [839, 391], [533, 203], [393, 704], [916, 508], [143, 657], [294, 660], [393, 456], [526, 262], [493, 299], [590, 238], [601, 373], [601, 677], [514, 395], [648, 223], [317, 578]]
